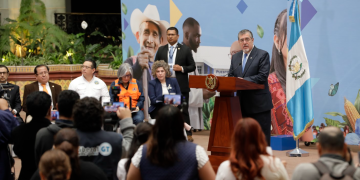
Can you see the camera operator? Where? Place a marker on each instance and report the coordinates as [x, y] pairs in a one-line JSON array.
[[11, 91]]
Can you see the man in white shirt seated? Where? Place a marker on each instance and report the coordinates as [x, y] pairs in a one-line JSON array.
[[88, 85]]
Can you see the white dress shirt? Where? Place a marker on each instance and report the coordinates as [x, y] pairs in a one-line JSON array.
[[273, 169], [247, 57], [49, 92], [95, 88], [174, 57]]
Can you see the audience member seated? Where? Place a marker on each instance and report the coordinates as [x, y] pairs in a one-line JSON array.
[[141, 135], [41, 84], [54, 165], [45, 136], [38, 105], [7, 123], [334, 159], [129, 87], [162, 84], [167, 154], [248, 156], [13, 93], [68, 141], [96, 145], [88, 85]]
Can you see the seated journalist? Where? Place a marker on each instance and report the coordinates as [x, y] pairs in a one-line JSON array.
[[162, 84], [129, 87]]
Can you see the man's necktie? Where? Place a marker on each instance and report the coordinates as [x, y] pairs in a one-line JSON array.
[[171, 54], [44, 88], [244, 63]]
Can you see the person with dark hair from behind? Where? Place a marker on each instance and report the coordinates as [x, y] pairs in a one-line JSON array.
[[41, 84], [249, 158], [45, 136], [141, 135], [167, 154], [96, 145], [68, 141], [39, 106], [12, 93], [335, 158], [88, 85], [54, 165], [7, 123]]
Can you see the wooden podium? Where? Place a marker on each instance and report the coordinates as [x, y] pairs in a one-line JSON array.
[[227, 111]]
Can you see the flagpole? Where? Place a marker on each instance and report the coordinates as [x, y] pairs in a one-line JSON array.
[[297, 152]]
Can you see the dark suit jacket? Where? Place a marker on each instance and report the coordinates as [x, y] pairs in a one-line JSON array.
[[155, 91], [24, 145], [28, 89], [15, 101], [256, 70], [183, 58]]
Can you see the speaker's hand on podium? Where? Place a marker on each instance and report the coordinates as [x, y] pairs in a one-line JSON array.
[[208, 94], [240, 78]]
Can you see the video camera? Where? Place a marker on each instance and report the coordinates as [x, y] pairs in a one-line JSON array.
[[115, 91], [4, 88]]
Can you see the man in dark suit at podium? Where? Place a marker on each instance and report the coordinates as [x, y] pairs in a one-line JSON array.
[[12, 92], [253, 64], [181, 62]]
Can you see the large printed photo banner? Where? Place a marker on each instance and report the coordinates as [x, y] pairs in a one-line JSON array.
[[210, 32], [330, 37]]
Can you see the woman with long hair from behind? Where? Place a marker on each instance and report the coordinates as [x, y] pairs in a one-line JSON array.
[[67, 141], [54, 165], [248, 157], [141, 135], [167, 154]]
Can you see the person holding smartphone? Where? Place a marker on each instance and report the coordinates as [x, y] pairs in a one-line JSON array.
[[161, 84], [131, 92]]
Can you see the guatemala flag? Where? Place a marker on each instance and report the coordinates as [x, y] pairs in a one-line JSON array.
[[298, 85]]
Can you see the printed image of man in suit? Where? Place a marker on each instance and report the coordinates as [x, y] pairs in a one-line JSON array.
[[12, 92], [253, 64], [181, 62], [42, 84]]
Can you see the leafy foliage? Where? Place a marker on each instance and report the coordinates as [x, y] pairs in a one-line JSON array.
[[207, 112], [344, 117], [31, 40]]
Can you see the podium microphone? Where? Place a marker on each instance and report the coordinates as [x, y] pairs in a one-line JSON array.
[[233, 70]]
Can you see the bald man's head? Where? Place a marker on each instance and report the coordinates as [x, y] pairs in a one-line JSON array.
[[3, 104], [235, 47], [191, 33], [331, 139]]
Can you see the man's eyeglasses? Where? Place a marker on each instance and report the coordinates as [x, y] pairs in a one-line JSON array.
[[245, 40], [43, 73], [3, 73], [86, 67]]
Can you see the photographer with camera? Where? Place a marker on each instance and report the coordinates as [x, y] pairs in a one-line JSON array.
[[129, 91], [10, 92], [7, 124]]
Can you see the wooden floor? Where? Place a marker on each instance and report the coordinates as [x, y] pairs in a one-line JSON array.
[[202, 139]]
